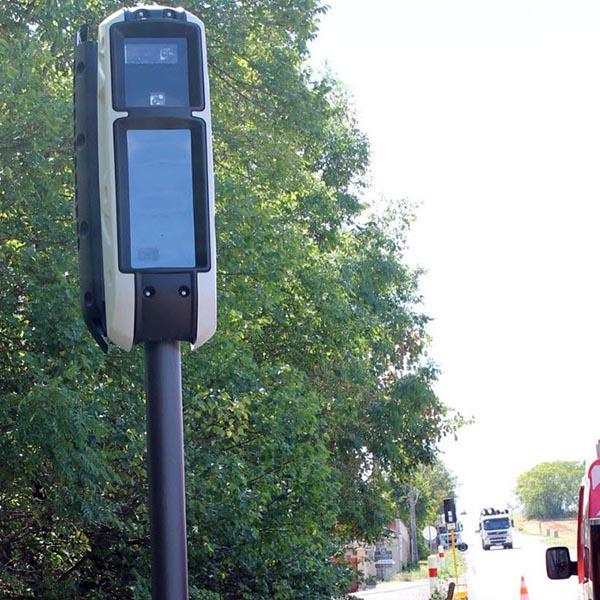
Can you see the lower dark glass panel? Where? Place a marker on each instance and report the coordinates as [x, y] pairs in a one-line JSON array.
[[162, 194], [161, 198]]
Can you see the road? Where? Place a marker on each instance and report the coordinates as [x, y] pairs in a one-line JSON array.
[[493, 575], [415, 590], [496, 574]]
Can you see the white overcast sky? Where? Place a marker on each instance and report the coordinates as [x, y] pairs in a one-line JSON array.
[[487, 113]]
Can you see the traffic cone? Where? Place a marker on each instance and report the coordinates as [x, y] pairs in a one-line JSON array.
[[524, 593]]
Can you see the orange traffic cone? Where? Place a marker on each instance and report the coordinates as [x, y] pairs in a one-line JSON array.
[[524, 593]]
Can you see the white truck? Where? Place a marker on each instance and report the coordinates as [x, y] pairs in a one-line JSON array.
[[495, 528], [444, 535]]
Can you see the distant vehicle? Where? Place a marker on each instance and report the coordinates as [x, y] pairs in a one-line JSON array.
[[445, 536], [587, 566], [495, 528]]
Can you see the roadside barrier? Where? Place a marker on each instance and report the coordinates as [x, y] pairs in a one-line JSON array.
[[442, 556], [524, 592], [432, 568]]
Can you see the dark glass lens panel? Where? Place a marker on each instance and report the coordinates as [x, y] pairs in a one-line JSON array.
[[156, 72], [161, 198], [151, 53]]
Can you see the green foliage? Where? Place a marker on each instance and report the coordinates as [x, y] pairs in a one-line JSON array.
[[312, 397], [550, 490], [432, 483]]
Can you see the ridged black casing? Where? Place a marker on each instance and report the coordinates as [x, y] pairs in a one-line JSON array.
[[87, 194]]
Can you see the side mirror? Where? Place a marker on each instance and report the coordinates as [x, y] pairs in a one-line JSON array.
[[559, 564], [512, 522]]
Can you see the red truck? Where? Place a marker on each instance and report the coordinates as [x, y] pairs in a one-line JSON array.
[[587, 567]]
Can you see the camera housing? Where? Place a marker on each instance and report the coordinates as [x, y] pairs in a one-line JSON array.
[[155, 200]]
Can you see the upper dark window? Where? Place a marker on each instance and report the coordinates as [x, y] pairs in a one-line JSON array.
[[156, 72], [156, 65]]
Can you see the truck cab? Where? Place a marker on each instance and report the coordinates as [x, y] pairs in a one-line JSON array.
[[587, 566], [495, 528], [445, 536]]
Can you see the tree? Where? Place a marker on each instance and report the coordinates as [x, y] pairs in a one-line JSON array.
[[550, 490], [314, 393], [426, 490]]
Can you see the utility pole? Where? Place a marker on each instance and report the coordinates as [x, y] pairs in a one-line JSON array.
[[413, 496]]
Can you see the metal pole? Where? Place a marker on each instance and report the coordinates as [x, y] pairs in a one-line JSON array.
[[454, 556], [168, 542]]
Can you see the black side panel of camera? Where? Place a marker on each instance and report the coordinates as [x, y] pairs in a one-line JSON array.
[[87, 194]]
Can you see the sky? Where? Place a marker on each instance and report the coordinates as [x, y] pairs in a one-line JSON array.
[[487, 115]]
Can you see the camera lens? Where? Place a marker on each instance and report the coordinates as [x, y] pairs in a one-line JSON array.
[[157, 99]]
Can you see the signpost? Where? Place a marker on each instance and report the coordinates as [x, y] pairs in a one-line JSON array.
[[451, 521], [145, 224], [430, 534], [383, 557]]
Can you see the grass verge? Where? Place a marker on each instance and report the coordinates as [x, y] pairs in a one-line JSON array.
[[413, 572], [561, 532]]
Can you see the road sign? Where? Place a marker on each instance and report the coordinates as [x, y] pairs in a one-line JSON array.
[[429, 533], [383, 557], [385, 562]]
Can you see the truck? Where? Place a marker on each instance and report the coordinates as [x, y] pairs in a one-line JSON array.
[[495, 528], [587, 566], [444, 535]]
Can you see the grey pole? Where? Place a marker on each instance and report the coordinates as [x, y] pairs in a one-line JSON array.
[[168, 540]]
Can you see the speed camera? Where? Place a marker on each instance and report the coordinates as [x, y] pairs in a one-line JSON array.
[[145, 191]]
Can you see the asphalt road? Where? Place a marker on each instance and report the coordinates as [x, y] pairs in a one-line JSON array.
[[493, 575], [496, 574], [413, 590]]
